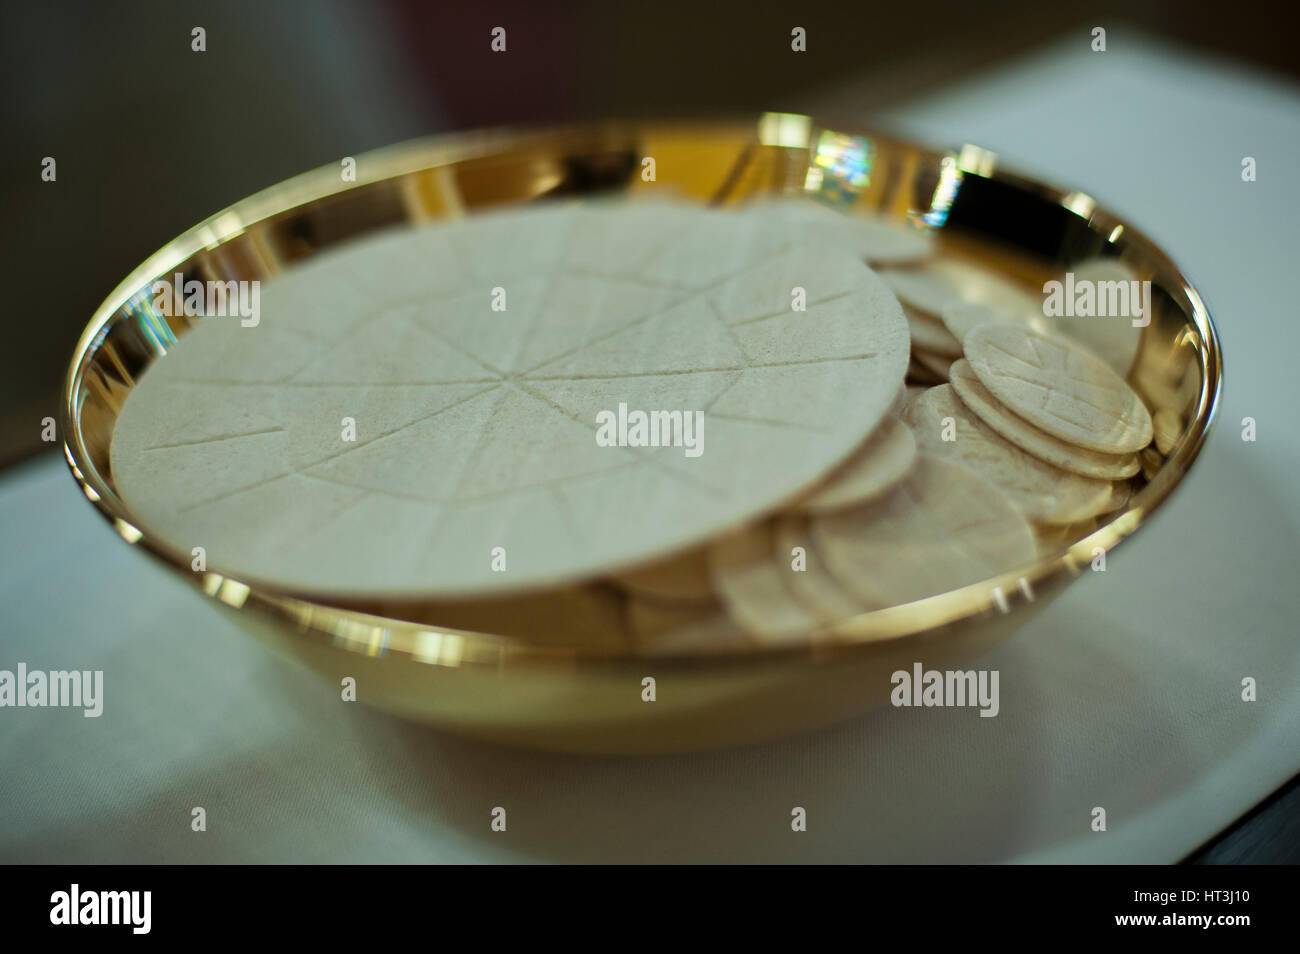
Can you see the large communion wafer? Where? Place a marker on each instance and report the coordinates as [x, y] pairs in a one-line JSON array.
[[1060, 388], [1045, 494], [1029, 438], [942, 528], [418, 413]]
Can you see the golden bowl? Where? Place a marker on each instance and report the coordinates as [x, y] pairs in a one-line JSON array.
[[560, 695]]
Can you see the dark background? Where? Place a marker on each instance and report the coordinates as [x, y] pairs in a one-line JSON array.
[[150, 137]]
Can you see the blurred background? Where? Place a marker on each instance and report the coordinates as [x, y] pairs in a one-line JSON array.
[[150, 137]]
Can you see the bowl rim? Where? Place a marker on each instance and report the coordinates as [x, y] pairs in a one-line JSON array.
[[361, 632]]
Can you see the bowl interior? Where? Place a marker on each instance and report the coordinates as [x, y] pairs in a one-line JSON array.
[[1015, 225]]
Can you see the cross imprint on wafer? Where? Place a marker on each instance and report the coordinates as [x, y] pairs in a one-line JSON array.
[[482, 426]]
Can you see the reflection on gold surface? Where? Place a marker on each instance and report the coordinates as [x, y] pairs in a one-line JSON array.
[[977, 161], [784, 129], [945, 190], [1080, 204], [841, 168]]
